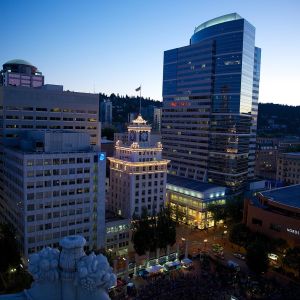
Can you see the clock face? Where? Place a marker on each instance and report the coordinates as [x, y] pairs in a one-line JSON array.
[[144, 136], [132, 136]]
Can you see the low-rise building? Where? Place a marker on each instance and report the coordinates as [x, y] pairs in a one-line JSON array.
[[288, 168], [190, 199], [117, 240], [275, 213]]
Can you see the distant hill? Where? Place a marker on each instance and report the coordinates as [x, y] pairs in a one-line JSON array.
[[273, 119], [278, 119], [123, 105]]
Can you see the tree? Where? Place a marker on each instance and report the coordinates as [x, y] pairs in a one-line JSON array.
[[231, 211], [292, 258], [142, 237], [10, 256], [218, 212], [152, 232], [234, 209], [108, 132], [257, 257], [13, 277], [166, 229], [240, 234]]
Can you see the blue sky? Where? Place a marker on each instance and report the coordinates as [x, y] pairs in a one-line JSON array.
[[113, 46]]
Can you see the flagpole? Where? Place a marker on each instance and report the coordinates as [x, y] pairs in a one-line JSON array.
[[140, 99]]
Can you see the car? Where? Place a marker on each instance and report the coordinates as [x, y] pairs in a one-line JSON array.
[[239, 256], [217, 248], [219, 255], [233, 265]]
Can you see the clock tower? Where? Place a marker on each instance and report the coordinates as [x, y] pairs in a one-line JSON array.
[[139, 131], [138, 174]]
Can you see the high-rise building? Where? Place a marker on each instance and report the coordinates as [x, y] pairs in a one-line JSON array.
[[106, 112], [54, 186], [46, 108], [138, 174], [210, 94], [18, 72], [157, 119]]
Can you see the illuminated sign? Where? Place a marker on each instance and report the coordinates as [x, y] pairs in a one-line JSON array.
[[179, 103], [102, 156]]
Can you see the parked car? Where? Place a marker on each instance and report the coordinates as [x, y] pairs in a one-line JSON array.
[[233, 265], [239, 256], [217, 248]]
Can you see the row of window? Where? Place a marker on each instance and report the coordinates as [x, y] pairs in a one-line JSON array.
[[55, 109], [58, 203], [32, 196], [72, 171], [41, 184], [39, 118], [49, 237], [57, 161], [39, 217]]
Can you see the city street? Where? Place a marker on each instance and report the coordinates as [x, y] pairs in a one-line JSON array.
[[202, 240]]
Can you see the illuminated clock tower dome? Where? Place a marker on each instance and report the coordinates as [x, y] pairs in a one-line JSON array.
[[138, 173]]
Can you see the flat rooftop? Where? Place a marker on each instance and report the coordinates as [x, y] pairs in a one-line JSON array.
[[190, 184], [111, 217], [289, 196], [295, 154]]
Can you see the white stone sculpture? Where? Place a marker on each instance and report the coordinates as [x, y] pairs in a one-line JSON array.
[[69, 274]]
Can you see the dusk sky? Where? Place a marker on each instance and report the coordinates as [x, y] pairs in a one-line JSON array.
[[113, 46]]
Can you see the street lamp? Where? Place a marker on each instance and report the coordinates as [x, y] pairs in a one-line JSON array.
[[205, 241]]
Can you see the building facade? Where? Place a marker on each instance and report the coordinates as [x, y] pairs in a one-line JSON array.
[[288, 168], [54, 186], [210, 94], [138, 173], [157, 119], [275, 213], [189, 200], [106, 112], [117, 234], [23, 109], [267, 152]]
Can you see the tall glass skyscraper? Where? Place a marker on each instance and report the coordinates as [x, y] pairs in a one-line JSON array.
[[210, 95]]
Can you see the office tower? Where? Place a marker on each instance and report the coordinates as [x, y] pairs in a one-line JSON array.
[[44, 108], [19, 72], [138, 173], [157, 119], [210, 91], [106, 112], [54, 186]]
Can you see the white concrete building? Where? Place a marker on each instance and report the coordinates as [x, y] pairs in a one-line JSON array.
[[54, 186], [138, 173]]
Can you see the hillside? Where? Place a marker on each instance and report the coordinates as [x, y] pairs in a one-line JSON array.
[[273, 119], [278, 119]]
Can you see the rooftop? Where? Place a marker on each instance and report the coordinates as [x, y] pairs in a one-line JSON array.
[[289, 195], [296, 154], [112, 217], [18, 62], [218, 20], [191, 184]]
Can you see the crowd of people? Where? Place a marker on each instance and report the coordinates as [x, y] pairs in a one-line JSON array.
[[209, 280]]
